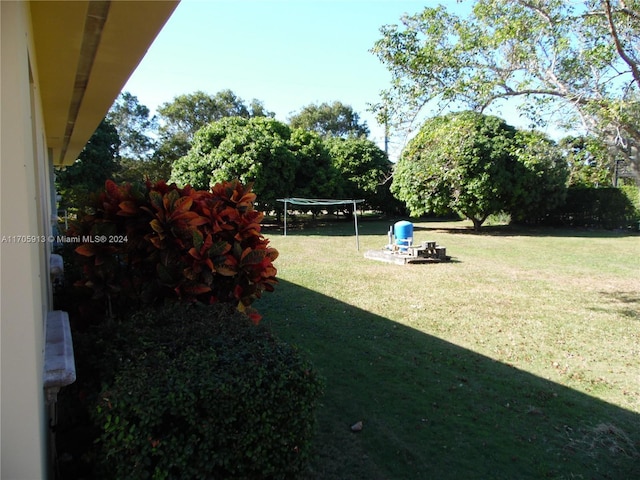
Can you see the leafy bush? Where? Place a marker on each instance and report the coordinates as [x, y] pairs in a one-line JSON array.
[[632, 191], [200, 392], [148, 243]]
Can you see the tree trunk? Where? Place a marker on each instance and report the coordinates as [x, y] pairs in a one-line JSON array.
[[477, 222]]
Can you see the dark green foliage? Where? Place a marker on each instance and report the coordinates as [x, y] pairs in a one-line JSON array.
[[154, 169], [142, 156], [254, 151], [98, 162], [462, 162], [200, 392], [170, 148], [364, 167], [540, 177], [134, 125], [316, 173], [595, 208], [477, 165], [283, 162], [632, 192], [186, 114]]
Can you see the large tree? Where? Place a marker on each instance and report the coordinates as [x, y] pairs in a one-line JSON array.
[[252, 150], [186, 114], [363, 167], [316, 175], [136, 128], [567, 60], [139, 148], [98, 162], [478, 165], [330, 119]]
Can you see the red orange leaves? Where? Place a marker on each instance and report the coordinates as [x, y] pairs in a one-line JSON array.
[[198, 245]]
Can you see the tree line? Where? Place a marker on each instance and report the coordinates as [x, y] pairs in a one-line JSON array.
[[571, 63], [200, 139], [467, 163]]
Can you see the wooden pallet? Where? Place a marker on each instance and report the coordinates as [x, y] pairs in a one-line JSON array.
[[426, 252]]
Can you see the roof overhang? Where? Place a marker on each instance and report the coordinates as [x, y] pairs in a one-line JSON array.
[[85, 52]]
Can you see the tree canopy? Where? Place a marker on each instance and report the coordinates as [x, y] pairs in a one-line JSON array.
[[134, 125], [541, 175], [335, 119], [569, 61], [316, 174], [186, 114], [363, 166], [588, 162], [477, 165], [98, 162], [284, 162], [181, 118], [252, 150]]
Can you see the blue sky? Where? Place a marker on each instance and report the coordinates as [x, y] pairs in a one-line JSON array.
[[286, 53]]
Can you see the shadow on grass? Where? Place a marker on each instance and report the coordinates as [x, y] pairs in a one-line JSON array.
[[431, 409], [626, 304]]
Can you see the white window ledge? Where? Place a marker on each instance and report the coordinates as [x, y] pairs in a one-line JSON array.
[[59, 363]]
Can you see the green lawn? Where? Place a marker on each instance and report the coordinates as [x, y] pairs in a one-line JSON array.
[[518, 359]]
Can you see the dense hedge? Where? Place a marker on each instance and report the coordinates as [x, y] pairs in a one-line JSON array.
[[200, 392], [608, 208]]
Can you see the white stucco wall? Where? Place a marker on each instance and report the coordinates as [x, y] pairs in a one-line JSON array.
[[23, 295]]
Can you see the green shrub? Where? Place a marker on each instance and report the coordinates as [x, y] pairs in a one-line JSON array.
[[143, 244], [632, 192], [200, 392], [608, 208]]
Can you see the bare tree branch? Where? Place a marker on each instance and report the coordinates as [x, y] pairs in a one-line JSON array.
[[616, 40]]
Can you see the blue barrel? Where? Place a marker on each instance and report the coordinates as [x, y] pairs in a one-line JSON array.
[[403, 232]]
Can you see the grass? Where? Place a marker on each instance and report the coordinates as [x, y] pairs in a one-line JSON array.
[[518, 359]]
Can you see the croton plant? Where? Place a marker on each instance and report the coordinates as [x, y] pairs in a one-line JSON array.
[[153, 241]]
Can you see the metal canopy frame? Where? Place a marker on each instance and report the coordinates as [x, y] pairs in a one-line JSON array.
[[315, 202]]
